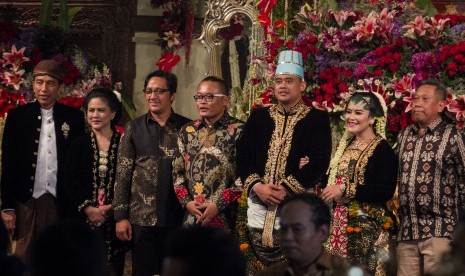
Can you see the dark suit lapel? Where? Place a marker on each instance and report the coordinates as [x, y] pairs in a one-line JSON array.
[[61, 128]]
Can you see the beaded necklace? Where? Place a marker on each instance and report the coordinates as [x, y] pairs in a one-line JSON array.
[[103, 169]]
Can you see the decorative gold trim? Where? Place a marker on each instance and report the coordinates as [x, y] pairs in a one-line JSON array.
[[360, 167], [250, 180], [293, 184], [278, 152]]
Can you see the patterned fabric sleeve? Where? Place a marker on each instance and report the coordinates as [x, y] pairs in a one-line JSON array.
[[124, 172], [180, 180], [461, 169]]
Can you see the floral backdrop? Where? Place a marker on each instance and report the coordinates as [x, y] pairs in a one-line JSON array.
[[384, 46], [21, 50]]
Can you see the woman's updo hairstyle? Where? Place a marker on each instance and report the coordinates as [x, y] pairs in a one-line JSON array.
[[372, 103], [107, 95]]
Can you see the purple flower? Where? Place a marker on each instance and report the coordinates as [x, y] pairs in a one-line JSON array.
[[458, 31], [424, 65], [368, 60], [27, 39], [396, 29], [326, 59]]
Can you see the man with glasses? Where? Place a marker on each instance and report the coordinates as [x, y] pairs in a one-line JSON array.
[[284, 150], [204, 168], [36, 139], [146, 208]]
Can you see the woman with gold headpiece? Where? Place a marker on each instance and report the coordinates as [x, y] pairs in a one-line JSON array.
[[90, 172], [362, 180]]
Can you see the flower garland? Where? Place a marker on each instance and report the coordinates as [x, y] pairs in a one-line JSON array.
[[242, 234], [381, 219], [175, 31]]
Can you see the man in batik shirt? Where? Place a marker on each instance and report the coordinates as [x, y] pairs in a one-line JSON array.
[[146, 209], [204, 168], [432, 182], [275, 141]]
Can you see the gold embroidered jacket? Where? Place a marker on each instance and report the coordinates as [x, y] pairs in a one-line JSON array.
[[274, 141]]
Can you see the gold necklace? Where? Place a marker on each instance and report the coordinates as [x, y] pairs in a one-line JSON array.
[[360, 144]]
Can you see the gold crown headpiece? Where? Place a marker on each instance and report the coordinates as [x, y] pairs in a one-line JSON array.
[[376, 87]]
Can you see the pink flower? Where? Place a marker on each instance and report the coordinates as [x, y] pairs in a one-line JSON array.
[[386, 22], [416, 27], [341, 16], [409, 99], [15, 58], [365, 28], [457, 106], [403, 86], [14, 79]]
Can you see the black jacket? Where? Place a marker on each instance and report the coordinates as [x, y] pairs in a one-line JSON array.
[[20, 147]]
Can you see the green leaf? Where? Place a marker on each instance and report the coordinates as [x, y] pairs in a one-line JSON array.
[[72, 13], [329, 5], [370, 68], [63, 18], [45, 13], [426, 6]]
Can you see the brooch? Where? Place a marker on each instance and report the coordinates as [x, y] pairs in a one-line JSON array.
[[65, 128]]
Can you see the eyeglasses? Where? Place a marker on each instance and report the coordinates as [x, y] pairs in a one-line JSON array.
[[207, 97], [157, 91]]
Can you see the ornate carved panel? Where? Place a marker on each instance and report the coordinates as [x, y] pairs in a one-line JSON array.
[[102, 29]]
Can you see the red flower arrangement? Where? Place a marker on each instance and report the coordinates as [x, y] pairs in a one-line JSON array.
[[391, 41], [453, 59], [332, 86]]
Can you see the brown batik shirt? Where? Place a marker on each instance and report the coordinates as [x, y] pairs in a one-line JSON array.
[[431, 180], [143, 190]]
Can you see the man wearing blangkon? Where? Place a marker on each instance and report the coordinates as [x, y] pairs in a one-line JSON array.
[[284, 149], [36, 139], [146, 208]]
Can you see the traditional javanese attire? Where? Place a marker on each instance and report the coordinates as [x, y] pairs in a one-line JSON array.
[[87, 185], [362, 226], [269, 152], [204, 168], [35, 144]]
